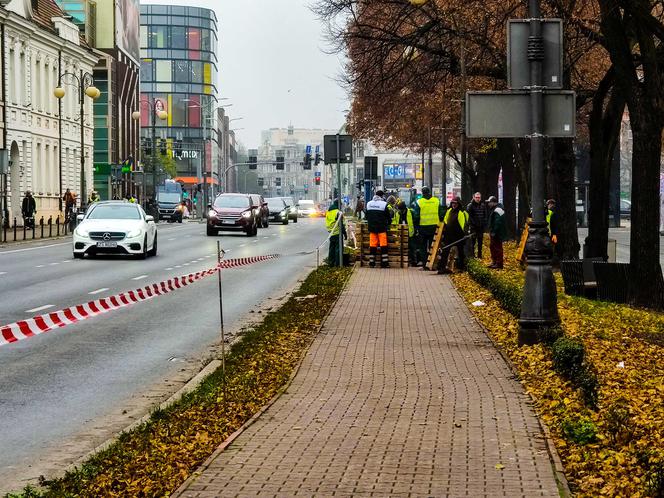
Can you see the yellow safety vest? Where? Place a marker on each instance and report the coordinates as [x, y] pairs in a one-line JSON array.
[[429, 211], [331, 221], [462, 217], [394, 214], [548, 220], [409, 221]]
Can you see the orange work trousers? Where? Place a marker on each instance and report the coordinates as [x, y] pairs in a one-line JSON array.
[[378, 239]]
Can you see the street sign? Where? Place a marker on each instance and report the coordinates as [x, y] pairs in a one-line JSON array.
[[371, 167], [518, 66], [345, 148], [507, 114]]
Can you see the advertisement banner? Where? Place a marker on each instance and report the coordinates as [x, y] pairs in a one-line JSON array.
[[127, 27], [401, 174]]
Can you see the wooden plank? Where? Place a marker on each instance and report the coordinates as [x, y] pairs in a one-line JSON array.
[[521, 251], [432, 260]]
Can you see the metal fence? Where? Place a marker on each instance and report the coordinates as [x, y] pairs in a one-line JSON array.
[[44, 229]]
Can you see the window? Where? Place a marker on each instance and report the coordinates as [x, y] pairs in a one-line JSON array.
[[193, 39], [147, 71], [164, 71], [205, 40], [157, 36], [144, 36], [182, 71], [179, 110], [178, 39], [196, 72]]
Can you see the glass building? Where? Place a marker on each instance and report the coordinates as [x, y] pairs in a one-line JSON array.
[[179, 68]]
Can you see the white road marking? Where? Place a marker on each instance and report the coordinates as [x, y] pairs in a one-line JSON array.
[[67, 261], [179, 266], [242, 245], [168, 269], [255, 242], [98, 291], [40, 266], [3, 273], [185, 264], [140, 277], [53, 264], [266, 237], [172, 238], [34, 248], [41, 308]]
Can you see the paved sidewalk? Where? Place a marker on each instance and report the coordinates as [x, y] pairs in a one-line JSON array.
[[401, 394]]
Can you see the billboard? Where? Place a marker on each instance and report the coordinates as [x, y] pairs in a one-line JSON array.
[[127, 27], [401, 174]]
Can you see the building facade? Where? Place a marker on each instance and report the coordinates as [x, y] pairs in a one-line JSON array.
[[290, 143], [179, 69], [43, 134]]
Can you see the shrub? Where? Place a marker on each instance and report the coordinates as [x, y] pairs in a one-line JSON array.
[[580, 430], [618, 421], [587, 382], [508, 294], [568, 356]]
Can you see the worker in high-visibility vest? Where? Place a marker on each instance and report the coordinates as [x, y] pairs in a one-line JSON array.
[[428, 213], [552, 221], [455, 229], [378, 223], [334, 222]]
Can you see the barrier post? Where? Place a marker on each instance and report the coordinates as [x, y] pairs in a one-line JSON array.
[[221, 321]]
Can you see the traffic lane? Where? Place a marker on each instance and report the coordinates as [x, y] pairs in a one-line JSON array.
[[56, 285], [56, 383], [622, 238]]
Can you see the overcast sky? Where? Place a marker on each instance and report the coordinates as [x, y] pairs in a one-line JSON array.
[[272, 67]]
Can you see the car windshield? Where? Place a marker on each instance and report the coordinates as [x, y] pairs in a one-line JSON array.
[[168, 197], [114, 212], [275, 203], [306, 204], [231, 201]]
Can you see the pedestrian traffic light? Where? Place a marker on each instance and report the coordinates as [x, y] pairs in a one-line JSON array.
[[317, 180], [253, 162]]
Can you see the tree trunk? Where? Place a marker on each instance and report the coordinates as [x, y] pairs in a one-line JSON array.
[[509, 184], [562, 170], [644, 236], [604, 131]]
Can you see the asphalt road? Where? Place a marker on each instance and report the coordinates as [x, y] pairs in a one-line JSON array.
[[54, 384], [622, 238]]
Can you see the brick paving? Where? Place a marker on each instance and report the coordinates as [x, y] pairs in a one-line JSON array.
[[401, 394]]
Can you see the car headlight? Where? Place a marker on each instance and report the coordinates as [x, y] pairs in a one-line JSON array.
[[212, 213], [283, 213], [134, 233], [246, 214], [82, 232]]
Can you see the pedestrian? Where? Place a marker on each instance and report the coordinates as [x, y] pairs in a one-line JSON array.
[[359, 207], [552, 220], [497, 232], [378, 223], [405, 216], [94, 197], [455, 225], [428, 214], [69, 199], [477, 218], [392, 209], [334, 222], [28, 210]]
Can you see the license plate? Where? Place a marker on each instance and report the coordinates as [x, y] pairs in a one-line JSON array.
[[228, 222], [107, 245]]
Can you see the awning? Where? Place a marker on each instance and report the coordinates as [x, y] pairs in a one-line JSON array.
[[192, 180]]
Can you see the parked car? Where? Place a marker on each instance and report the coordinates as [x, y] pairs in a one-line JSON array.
[[261, 210], [292, 208], [278, 209], [306, 208], [232, 213], [115, 227], [625, 208]]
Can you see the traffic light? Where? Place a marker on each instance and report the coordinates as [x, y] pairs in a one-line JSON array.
[[307, 158], [317, 158], [317, 180], [280, 162], [253, 162]]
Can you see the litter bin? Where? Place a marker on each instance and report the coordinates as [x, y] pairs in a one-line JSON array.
[[611, 250]]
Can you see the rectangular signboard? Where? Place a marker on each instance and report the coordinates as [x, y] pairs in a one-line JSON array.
[[345, 148], [507, 114], [518, 67]]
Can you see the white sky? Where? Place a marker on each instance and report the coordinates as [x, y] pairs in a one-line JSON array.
[[272, 67]]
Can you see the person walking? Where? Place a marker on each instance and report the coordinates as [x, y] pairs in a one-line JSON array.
[[28, 210], [392, 209], [497, 232], [552, 220], [359, 208], [454, 230], [405, 217], [378, 223], [477, 218], [428, 213], [69, 199], [334, 222]]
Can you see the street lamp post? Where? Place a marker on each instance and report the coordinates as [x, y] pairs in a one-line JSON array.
[[85, 82], [158, 111], [539, 309]]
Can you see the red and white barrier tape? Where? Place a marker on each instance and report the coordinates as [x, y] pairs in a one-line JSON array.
[[23, 329]]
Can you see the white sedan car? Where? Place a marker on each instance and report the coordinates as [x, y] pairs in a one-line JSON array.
[[115, 227]]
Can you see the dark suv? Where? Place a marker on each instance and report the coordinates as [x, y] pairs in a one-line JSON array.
[[233, 213], [261, 210], [278, 209]]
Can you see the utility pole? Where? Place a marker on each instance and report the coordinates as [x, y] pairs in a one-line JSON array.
[[341, 210], [540, 305], [430, 168]]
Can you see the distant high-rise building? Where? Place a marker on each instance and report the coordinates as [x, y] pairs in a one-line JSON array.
[[179, 68]]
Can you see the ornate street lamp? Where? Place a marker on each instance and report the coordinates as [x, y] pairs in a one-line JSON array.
[[85, 82]]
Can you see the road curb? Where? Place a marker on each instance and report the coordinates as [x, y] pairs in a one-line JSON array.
[[179, 492], [554, 457]]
